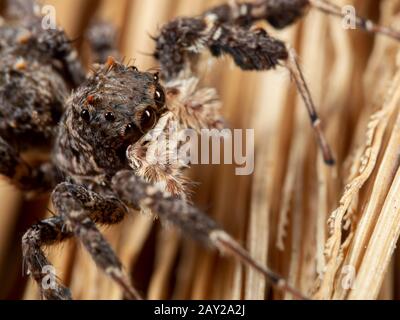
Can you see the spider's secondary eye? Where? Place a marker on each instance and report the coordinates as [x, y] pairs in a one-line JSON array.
[[85, 115], [156, 77], [110, 116], [159, 97], [148, 120], [130, 127], [133, 68]]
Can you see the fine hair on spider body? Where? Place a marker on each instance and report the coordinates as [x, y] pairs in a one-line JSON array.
[[228, 30]]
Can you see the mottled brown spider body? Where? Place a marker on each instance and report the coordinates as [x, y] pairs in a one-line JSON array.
[[32, 98], [36, 74]]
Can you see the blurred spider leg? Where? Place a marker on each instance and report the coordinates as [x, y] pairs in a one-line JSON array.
[[73, 66], [365, 24], [137, 193], [41, 178], [293, 65], [46, 232], [81, 209], [21, 8], [103, 40]]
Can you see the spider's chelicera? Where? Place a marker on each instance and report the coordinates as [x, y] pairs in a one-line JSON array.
[[97, 169]]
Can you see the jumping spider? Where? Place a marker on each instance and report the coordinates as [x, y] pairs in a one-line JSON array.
[[96, 173]]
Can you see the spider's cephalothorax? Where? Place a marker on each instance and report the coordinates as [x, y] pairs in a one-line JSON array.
[[115, 107]]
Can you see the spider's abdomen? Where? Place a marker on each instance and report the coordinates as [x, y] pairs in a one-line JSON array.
[[32, 97]]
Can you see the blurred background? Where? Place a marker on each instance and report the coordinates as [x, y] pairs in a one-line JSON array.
[[284, 212]]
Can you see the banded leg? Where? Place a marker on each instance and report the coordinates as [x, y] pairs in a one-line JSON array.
[[79, 210], [192, 222], [251, 50], [42, 178]]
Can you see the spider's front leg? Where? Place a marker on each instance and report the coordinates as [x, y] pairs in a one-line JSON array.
[[79, 210], [42, 178], [137, 193], [253, 50]]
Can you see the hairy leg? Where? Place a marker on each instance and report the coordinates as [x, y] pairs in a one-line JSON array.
[[79, 210], [47, 232], [251, 50], [138, 194]]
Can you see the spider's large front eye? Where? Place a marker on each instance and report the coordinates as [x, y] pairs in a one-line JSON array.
[[159, 97], [148, 119], [85, 115]]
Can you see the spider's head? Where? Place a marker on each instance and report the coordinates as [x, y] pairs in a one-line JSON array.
[[117, 106]]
